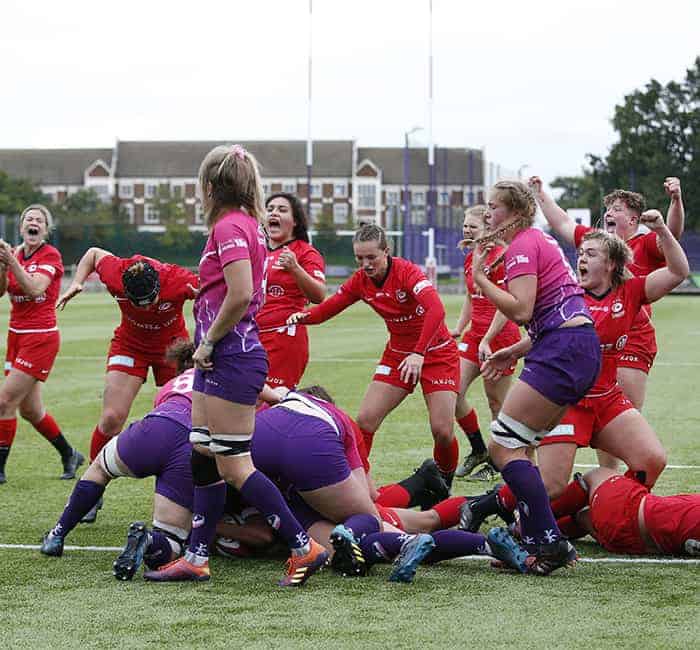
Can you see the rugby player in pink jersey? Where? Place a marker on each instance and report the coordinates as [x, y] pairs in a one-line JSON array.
[[31, 276], [231, 367]]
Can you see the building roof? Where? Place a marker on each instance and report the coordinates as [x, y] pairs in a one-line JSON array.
[[451, 165], [277, 158], [51, 166]]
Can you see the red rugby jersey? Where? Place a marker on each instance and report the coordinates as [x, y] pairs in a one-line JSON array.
[[149, 330], [613, 315], [283, 296], [30, 315], [405, 299]]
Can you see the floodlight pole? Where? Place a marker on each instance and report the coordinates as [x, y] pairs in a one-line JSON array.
[[431, 146], [309, 142]]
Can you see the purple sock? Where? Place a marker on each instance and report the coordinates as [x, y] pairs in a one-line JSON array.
[[85, 495], [456, 543], [537, 522], [261, 493], [362, 525], [158, 552], [207, 508], [382, 547]]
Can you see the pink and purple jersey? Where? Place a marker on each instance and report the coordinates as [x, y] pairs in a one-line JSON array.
[[235, 236], [559, 297], [174, 400]]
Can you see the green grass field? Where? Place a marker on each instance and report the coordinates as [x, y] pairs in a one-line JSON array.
[[75, 601]]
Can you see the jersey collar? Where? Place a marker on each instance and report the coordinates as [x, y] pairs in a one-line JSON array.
[[26, 257], [293, 239], [602, 296], [379, 285]]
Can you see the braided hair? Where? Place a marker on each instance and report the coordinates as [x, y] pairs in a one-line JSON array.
[[141, 283]]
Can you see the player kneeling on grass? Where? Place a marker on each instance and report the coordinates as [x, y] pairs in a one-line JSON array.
[[158, 445]]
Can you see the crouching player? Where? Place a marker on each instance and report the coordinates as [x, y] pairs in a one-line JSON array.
[[625, 518], [157, 445]]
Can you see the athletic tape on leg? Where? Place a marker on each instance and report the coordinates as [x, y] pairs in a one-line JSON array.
[[230, 444], [107, 459], [200, 436], [509, 433]]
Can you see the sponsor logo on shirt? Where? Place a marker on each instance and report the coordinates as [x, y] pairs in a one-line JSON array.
[[275, 290], [232, 243], [518, 259], [401, 295], [420, 286], [443, 382], [22, 362], [319, 274], [617, 309], [621, 342], [164, 306]]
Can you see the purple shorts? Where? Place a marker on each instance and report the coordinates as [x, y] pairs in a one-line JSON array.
[[563, 364], [302, 450], [160, 447], [304, 513], [235, 377]]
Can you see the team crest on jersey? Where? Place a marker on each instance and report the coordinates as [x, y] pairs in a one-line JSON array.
[[617, 309], [621, 342], [420, 310], [164, 306], [275, 290], [32, 268], [401, 295]]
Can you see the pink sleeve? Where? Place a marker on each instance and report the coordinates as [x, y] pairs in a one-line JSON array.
[[351, 452], [521, 258], [230, 241]]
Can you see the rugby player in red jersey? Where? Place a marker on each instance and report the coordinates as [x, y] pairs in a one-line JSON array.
[[31, 275], [151, 296], [488, 330], [295, 276], [420, 348]]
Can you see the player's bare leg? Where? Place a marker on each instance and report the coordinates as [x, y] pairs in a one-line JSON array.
[[380, 399], [342, 500]]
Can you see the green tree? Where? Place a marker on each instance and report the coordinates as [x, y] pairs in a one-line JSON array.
[[174, 217], [16, 194]]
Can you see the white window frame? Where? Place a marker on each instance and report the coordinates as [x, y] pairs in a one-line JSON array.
[[289, 187], [151, 214], [341, 211], [418, 197], [316, 190], [443, 197], [150, 190], [315, 212], [392, 197], [366, 196], [340, 190], [126, 190], [198, 213], [129, 209]]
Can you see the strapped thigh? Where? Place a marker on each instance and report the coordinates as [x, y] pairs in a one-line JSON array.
[[508, 432], [230, 444], [107, 459]]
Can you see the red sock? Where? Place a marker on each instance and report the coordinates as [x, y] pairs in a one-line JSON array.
[[570, 528], [447, 457], [469, 423], [448, 511], [507, 498], [369, 439], [47, 427], [571, 500], [8, 429], [97, 441], [393, 496]]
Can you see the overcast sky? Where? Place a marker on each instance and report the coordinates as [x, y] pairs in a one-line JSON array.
[[535, 83]]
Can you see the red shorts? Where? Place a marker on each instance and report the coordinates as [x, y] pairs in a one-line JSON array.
[[440, 369], [389, 515], [670, 521], [640, 350], [615, 515], [32, 353], [287, 355], [469, 346], [123, 358], [590, 416]]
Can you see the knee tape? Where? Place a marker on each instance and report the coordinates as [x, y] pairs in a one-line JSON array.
[[230, 444], [176, 536], [204, 470], [107, 459], [512, 434], [200, 436]]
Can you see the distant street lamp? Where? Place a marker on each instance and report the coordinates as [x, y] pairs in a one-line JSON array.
[[406, 181]]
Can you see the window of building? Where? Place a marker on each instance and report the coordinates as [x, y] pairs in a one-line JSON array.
[[316, 211], [151, 190], [176, 191], [443, 198], [392, 197], [418, 198], [340, 190], [316, 190], [340, 213], [151, 215], [289, 187], [198, 213], [266, 189], [418, 216], [126, 190], [366, 195]]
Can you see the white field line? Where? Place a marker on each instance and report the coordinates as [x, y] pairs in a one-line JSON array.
[[466, 558], [667, 466]]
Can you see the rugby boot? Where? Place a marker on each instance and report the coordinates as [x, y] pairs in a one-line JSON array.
[[52, 545], [413, 552], [553, 556], [487, 473], [300, 568], [91, 515], [507, 550], [347, 559], [471, 462], [692, 546], [180, 570], [474, 512], [130, 559], [71, 464]]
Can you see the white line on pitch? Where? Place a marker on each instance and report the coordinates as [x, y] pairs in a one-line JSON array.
[[36, 547], [667, 466]]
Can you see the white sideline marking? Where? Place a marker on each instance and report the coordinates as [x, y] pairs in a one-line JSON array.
[[467, 558], [667, 466]]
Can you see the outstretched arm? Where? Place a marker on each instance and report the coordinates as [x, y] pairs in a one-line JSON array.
[[675, 217], [325, 311], [663, 280], [86, 266], [558, 219]]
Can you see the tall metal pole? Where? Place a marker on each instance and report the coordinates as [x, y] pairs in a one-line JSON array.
[[309, 142], [407, 252], [431, 147]]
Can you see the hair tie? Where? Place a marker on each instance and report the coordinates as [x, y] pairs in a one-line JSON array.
[[238, 151]]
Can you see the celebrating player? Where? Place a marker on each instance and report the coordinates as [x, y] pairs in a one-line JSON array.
[[151, 296], [231, 367], [488, 331], [562, 363], [419, 349], [31, 276], [294, 277]]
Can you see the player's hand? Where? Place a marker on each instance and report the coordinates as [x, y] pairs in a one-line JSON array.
[[297, 317], [287, 259], [493, 368], [653, 220], [479, 255], [535, 184], [484, 351], [410, 368], [6, 253], [202, 357], [71, 293], [672, 187]]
